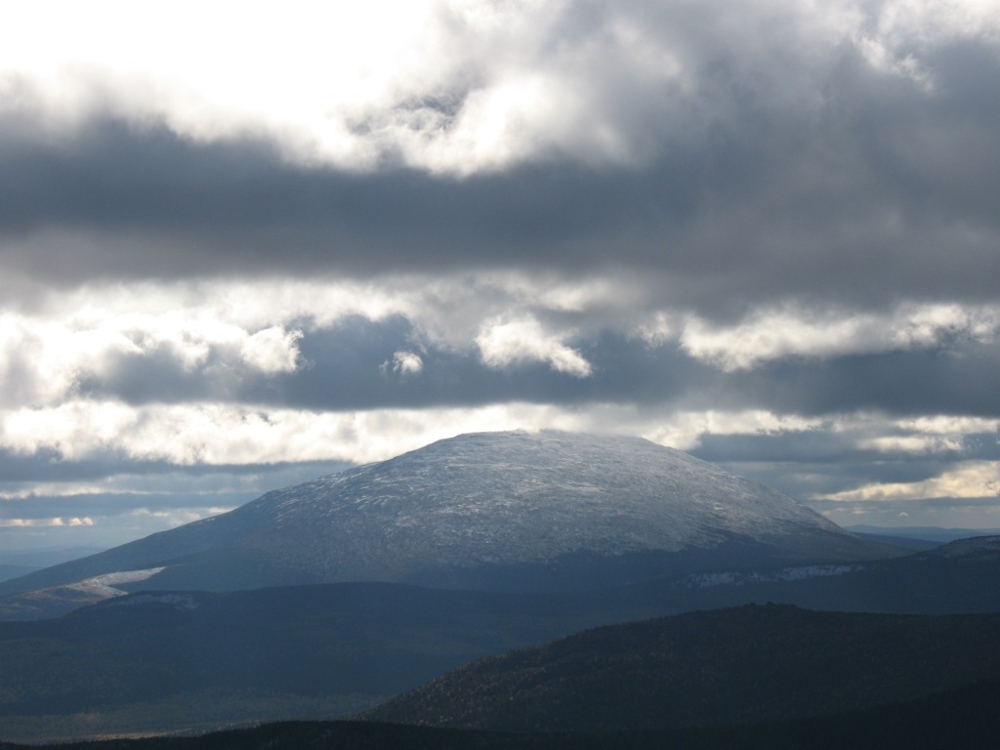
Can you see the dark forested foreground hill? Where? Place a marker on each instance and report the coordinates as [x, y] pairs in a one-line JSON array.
[[963, 718], [749, 664]]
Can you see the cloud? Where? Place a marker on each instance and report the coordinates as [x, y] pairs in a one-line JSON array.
[[917, 361], [503, 343], [271, 350], [752, 154], [19, 523], [404, 363], [765, 232], [462, 87], [232, 435], [45, 361], [969, 479], [790, 332]]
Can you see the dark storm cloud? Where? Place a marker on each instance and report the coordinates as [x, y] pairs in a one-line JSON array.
[[235, 208], [46, 465], [963, 379], [882, 190], [350, 366]]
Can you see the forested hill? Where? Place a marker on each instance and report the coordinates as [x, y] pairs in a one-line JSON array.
[[747, 664]]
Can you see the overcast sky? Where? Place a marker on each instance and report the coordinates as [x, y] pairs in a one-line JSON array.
[[243, 245]]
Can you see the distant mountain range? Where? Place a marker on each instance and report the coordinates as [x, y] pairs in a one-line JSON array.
[[496, 511], [929, 534]]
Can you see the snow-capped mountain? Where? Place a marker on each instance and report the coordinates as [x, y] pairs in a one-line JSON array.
[[493, 510]]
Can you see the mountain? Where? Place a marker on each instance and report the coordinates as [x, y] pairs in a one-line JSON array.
[[502, 511], [744, 665]]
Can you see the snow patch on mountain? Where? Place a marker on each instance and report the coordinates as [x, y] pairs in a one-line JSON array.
[[103, 586]]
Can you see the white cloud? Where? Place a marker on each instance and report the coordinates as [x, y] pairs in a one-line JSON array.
[[897, 36], [27, 490], [271, 350], [505, 343], [449, 309], [967, 479], [222, 434], [204, 434], [947, 425], [47, 350], [27, 523], [920, 436], [404, 363], [796, 331], [43, 358], [450, 85], [915, 444]]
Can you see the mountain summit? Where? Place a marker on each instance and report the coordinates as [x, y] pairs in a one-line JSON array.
[[516, 511]]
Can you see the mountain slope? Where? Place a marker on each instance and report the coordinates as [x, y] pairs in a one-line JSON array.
[[513, 511]]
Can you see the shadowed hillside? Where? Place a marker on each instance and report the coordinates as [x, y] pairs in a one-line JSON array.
[[750, 664]]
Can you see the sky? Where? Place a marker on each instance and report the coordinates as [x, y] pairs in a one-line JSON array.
[[243, 245]]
